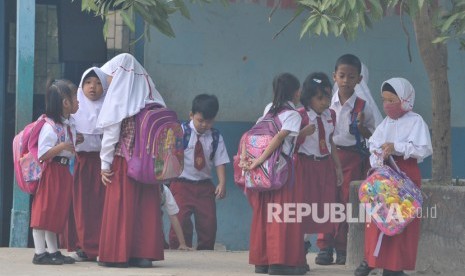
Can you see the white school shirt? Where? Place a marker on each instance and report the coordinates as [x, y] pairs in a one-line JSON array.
[[109, 140], [92, 143], [409, 133], [342, 136], [170, 206], [48, 138], [221, 155], [311, 144], [290, 121]]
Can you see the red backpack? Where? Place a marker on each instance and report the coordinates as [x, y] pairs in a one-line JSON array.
[[28, 169]]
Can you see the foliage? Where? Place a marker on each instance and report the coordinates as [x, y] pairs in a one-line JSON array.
[[452, 23], [153, 12]]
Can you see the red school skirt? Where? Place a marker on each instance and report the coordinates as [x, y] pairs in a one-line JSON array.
[[131, 221], [397, 252], [318, 180], [274, 242], [52, 202], [88, 199]]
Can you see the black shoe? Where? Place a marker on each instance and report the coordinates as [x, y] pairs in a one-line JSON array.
[[81, 256], [261, 269], [341, 256], [46, 259], [140, 262], [307, 267], [286, 270], [111, 264], [66, 259], [387, 272], [324, 257], [363, 269]]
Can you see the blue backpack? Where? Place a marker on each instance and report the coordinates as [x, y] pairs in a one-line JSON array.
[[187, 135]]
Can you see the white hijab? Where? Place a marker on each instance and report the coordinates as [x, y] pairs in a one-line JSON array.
[[362, 91], [129, 91], [404, 90], [88, 112]]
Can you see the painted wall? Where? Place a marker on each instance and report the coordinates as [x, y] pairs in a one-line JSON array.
[[229, 51]]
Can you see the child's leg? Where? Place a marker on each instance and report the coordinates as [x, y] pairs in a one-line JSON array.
[[39, 240], [205, 217], [51, 239], [183, 194]]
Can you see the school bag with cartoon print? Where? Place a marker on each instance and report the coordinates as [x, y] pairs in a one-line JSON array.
[[28, 169], [187, 135], [158, 153], [393, 198], [275, 171]]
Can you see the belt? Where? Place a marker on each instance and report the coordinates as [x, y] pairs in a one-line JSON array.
[[61, 159], [182, 179], [314, 157], [349, 148]]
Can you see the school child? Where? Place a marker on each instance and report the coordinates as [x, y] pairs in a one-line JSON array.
[[355, 123], [131, 230], [277, 248], [170, 206], [88, 191], [405, 136], [194, 190], [56, 149], [317, 164]]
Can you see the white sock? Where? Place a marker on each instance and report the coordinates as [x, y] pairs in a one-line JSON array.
[[39, 240], [52, 243]]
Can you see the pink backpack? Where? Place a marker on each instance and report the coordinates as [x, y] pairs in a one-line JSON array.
[[28, 168], [276, 170], [158, 154]]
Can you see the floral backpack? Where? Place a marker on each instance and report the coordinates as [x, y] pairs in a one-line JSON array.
[[28, 169]]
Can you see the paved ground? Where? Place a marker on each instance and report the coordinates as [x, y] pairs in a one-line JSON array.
[[17, 262]]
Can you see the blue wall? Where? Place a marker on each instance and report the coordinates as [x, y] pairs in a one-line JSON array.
[[230, 52]]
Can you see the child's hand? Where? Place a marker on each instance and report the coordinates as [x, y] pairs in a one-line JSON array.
[[220, 191], [184, 247], [253, 164], [67, 146], [79, 138], [388, 149], [309, 130], [106, 176]]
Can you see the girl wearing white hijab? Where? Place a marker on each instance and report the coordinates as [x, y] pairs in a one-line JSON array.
[[131, 232], [362, 91], [405, 136], [88, 191]]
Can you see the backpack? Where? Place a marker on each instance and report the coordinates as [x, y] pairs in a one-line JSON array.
[[276, 170], [360, 143], [305, 121], [384, 187], [187, 135], [27, 167], [158, 153]]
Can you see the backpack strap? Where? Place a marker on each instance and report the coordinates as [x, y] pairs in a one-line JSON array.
[[359, 105], [305, 121], [187, 136]]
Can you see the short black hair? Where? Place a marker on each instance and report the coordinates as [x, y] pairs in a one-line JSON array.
[[57, 91], [349, 59], [205, 104], [314, 84]]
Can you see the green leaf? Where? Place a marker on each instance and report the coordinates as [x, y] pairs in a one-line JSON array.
[[324, 26], [182, 7], [127, 19], [352, 4], [308, 23], [441, 39], [446, 25], [376, 9]]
